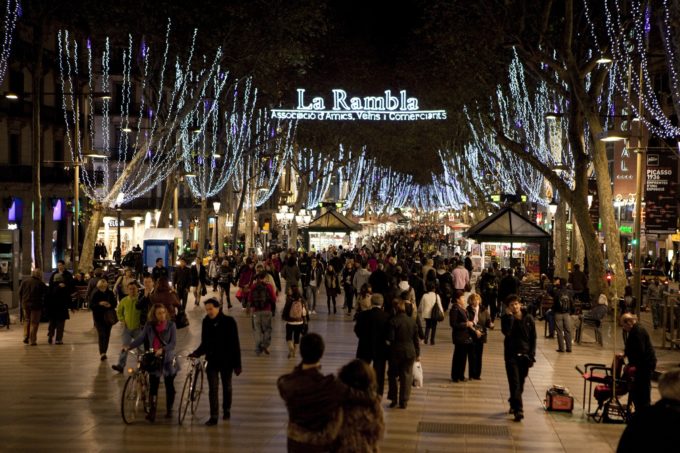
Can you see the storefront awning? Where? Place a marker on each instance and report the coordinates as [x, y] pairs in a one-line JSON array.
[[507, 225], [162, 234], [332, 221]]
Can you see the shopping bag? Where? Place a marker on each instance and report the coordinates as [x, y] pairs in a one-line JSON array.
[[417, 374]]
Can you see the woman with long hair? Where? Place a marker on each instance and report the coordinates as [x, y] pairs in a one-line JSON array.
[[296, 316], [332, 283], [161, 333], [362, 425]]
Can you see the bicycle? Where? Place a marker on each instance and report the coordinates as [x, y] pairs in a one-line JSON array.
[[193, 387], [136, 393]]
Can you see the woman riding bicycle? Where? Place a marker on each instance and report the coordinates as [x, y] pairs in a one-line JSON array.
[[160, 332]]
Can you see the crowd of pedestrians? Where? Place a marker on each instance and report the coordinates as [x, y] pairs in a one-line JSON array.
[[396, 291]]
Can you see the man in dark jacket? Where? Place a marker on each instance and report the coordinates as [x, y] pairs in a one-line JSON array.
[[313, 400], [649, 429], [159, 270], [67, 279], [404, 350], [520, 351], [380, 282], [640, 353], [371, 329], [182, 278], [222, 349], [506, 286], [562, 305], [32, 294]]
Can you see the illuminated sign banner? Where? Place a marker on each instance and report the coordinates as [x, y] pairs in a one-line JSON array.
[[388, 107]]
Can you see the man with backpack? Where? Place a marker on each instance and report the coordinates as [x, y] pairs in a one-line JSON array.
[[262, 303], [562, 304]]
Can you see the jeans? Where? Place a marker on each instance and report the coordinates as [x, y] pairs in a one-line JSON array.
[[183, 294], [312, 292], [517, 372], [430, 326], [58, 326], [403, 370], [214, 374], [31, 324], [128, 335], [563, 327], [262, 326], [103, 336]]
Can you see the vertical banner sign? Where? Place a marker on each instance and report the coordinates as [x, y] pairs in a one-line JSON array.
[[661, 192], [625, 168]]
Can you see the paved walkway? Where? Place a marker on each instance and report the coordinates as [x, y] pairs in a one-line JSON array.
[[62, 398]]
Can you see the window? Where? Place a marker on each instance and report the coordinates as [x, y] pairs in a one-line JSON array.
[[16, 82], [58, 151], [14, 149]]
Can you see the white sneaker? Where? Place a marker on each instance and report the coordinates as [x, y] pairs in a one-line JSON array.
[[313, 312]]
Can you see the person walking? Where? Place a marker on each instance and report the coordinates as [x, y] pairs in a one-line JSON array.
[[362, 424], [182, 280], [332, 284], [161, 334], [129, 316], [103, 301], [641, 355], [481, 320], [291, 273], [347, 288], [316, 276], [262, 303], [296, 316], [519, 351], [462, 329], [372, 328], [32, 293], [224, 281], [221, 346], [199, 280], [404, 350], [313, 400], [214, 271], [164, 295], [427, 304], [57, 304], [562, 306]]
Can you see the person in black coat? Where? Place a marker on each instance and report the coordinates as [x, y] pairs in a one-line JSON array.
[[199, 279], [404, 350], [182, 280], [222, 349], [371, 329], [640, 353], [380, 282], [57, 303], [506, 286], [462, 331], [102, 301], [649, 428], [520, 350]]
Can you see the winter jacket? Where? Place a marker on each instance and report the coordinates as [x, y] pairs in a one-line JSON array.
[[220, 342], [32, 293], [520, 335], [169, 342]]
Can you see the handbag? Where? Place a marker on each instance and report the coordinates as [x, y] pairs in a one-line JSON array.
[[110, 317], [151, 362], [181, 320], [203, 290], [417, 374], [437, 314]]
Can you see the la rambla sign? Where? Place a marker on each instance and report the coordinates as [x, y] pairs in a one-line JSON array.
[[342, 107]]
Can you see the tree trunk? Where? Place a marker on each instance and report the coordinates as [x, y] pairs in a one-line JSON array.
[[203, 227], [577, 252], [87, 254], [596, 281], [241, 201], [604, 193], [36, 140], [168, 197], [560, 240]]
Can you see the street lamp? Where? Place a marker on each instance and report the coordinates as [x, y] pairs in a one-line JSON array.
[[216, 207], [552, 208]]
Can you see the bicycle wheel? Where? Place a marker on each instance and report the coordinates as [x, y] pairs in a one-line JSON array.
[[185, 400], [133, 399], [197, 389]]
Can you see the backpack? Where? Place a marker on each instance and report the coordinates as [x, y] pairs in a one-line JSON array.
[[295, 310], [563, 302], [260, 296]]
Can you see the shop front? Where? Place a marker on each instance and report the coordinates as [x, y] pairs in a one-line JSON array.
[[511, 240], [332, 229]]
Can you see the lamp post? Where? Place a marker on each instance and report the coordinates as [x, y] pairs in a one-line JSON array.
[[216, 207], [552, 207]]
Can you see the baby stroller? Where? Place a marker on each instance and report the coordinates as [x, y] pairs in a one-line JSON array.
[[610, 384]]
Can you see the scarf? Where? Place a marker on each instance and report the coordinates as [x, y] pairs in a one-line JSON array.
[[159, 329]]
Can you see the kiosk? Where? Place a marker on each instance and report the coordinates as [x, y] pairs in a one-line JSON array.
[[161, 243]]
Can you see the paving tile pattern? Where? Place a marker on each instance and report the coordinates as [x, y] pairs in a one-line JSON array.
[[62, 398]]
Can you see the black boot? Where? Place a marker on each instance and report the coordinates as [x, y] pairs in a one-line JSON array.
[[168, 406], [151, 416]]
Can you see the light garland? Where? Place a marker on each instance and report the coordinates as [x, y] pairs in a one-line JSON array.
[[12, 13]]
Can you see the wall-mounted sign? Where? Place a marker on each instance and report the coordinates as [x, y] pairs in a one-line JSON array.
[[661, 193], [113, 223], [342, 107]]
